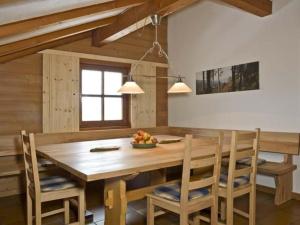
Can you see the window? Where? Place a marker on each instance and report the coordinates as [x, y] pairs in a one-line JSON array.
[[101, 105]]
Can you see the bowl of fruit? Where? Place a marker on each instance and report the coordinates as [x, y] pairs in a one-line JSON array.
[[142, 139]]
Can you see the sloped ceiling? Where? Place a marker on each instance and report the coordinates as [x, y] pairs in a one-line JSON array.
[[12, 11], [29, 26]]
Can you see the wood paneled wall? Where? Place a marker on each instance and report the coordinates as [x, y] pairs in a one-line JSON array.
[[143, 107], [21, 94], [21, 79]]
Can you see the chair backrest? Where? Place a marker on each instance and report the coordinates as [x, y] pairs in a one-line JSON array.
[[193, 161], [30, 160], [244, 145]]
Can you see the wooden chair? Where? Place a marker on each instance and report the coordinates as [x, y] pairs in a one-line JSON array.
[[238, 181], [193, 194], [40, 190]]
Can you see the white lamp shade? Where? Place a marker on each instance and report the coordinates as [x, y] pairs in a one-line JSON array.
[[179, 87], [131, 87]]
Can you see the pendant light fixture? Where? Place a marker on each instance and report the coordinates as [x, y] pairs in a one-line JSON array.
[[131, 87], [179, 87]]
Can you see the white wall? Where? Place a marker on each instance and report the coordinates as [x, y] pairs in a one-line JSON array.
[[209, 35]]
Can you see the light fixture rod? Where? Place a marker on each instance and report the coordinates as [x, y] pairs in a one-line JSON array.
[[131, 87], [161, 52], [152, 76]]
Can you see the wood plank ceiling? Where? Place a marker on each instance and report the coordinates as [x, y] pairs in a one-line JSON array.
[[30, 26]]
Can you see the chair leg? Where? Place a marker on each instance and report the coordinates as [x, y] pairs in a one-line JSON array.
[[81, 208], [229, 211], [29, 209], [38, 213], [196, 219], [150, 211], [214, 212], [223, 209], [184, 218], [67, 211], [252, 207]]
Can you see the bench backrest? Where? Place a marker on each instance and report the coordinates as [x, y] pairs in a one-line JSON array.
[[11, 145], [276, 142]]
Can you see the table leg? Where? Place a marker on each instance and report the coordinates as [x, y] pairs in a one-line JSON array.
[[115, 201]]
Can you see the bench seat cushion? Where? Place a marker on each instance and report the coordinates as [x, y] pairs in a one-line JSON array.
[[238, 181], [247, 161], [55, 183], [172, 192]]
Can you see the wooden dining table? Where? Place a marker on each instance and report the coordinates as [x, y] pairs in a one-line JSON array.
[[118, 166]]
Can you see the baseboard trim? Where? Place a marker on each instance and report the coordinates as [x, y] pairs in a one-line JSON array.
[[270, 190]]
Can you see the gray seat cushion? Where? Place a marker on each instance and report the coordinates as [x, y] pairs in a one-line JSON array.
[[55, 183], [172, 192]]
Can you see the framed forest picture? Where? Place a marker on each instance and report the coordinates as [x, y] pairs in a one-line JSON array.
[[241, 77]]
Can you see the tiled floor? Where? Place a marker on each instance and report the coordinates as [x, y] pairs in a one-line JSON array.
[[12, 212]]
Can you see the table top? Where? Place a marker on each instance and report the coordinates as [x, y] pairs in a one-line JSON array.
[[77, 159]]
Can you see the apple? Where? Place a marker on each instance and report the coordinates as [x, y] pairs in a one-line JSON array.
[[142, 137], [146, 136], [140, 133], [135, 136]]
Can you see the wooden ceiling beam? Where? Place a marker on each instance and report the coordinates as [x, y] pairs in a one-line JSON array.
[[37, 22], [53, 36], [10, 1], [33, 50], [134, 18], [256, 7]]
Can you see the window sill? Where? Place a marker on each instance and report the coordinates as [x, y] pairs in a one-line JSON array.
[[104, 127]]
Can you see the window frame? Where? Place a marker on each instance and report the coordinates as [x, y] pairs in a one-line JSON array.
[[93, 125]]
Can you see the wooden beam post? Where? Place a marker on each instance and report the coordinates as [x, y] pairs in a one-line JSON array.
[[35, 23], [53, 36], [134, 18], [29, 51]]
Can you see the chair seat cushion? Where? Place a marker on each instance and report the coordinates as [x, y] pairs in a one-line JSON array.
[[44, 162], [238, 181], [55, 183], [172, 192]]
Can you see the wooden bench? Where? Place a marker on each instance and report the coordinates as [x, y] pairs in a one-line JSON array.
[[282, 172], [283, 143], [11, 165]]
